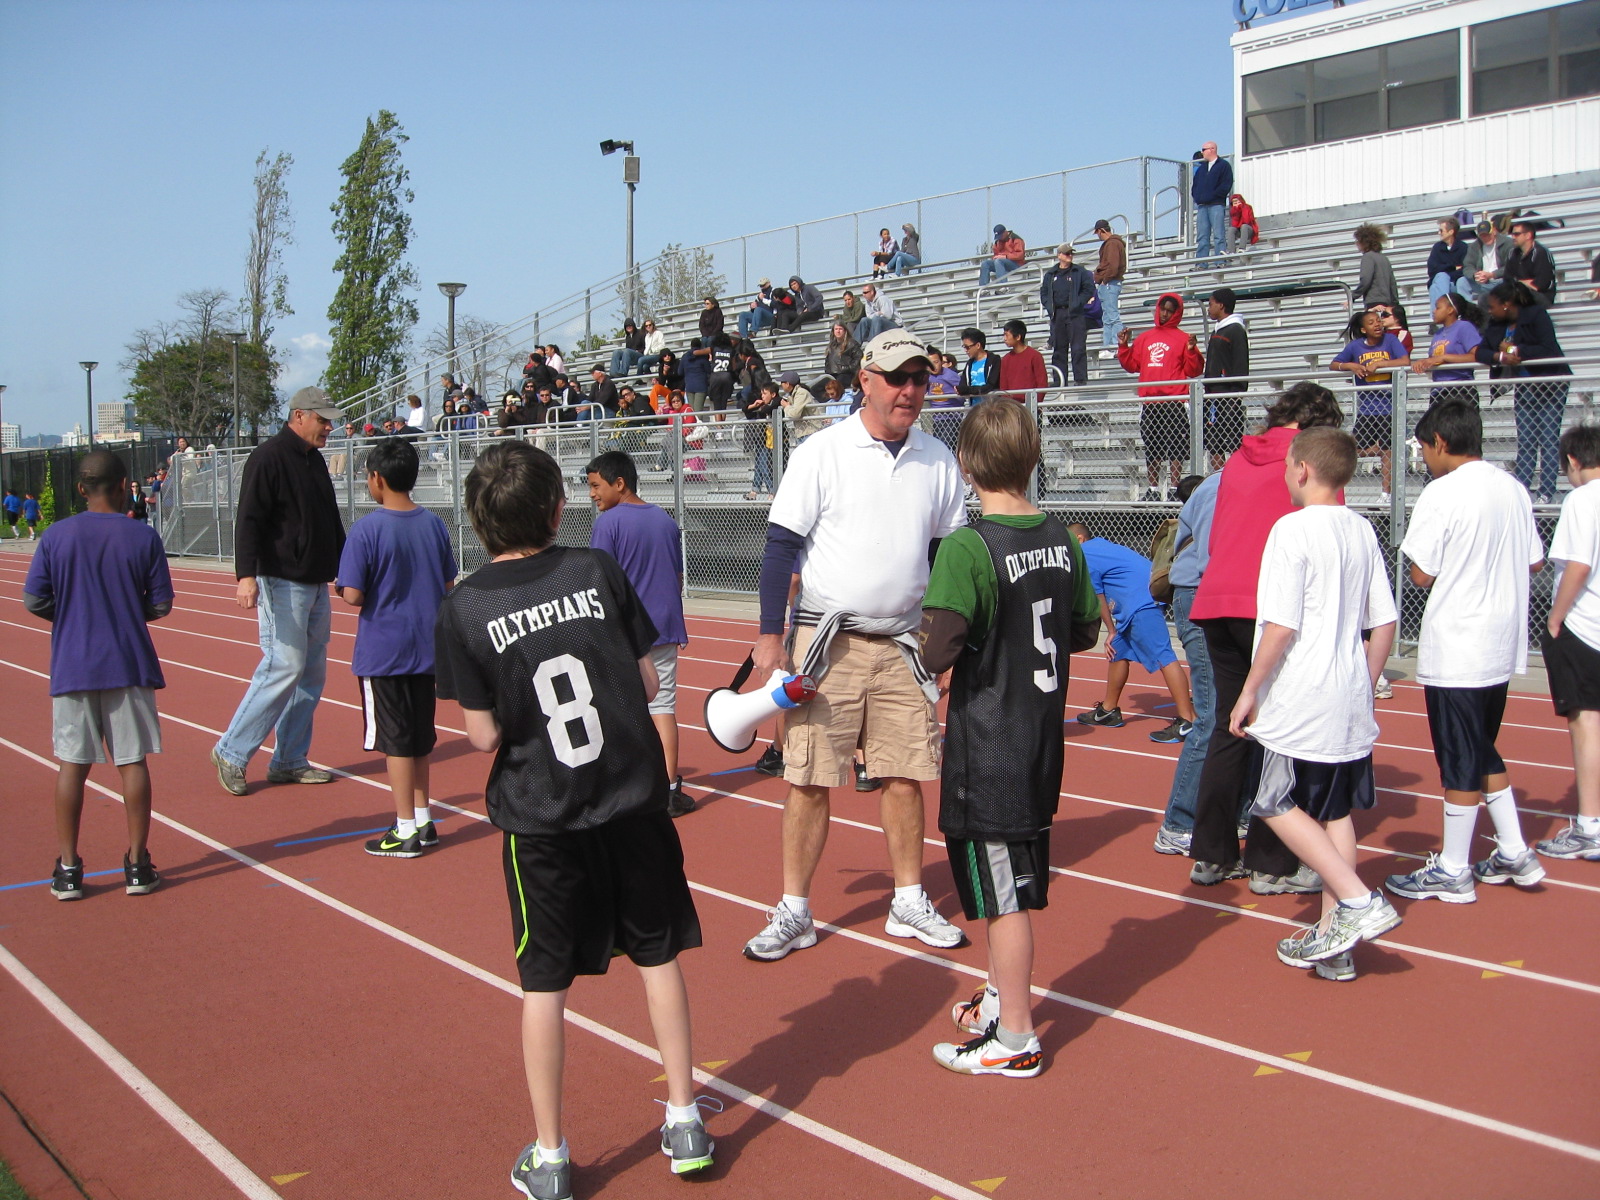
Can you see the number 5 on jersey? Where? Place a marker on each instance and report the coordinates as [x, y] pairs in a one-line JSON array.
[[1044, 680]]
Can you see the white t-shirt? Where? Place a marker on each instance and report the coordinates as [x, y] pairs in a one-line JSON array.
[[1473, 531], [867, 516], [417, 418], [1577, 540], [1322, 576]]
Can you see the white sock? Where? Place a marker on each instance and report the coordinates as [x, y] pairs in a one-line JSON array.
[[1589, 825], [553, 1157], [405, 828], [910, 897], [1366, 899], [800, 906], [1502, 808], [423, 816], [1459, 822], [686, 1115]]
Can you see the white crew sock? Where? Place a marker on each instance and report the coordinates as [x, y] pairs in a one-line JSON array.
[[554, 1157], [1459, 822], [1502, 808], [1590, 825], [1366, 899], [405, 828], [686, 1115], [909, 897], [423, 816], [800, 906]]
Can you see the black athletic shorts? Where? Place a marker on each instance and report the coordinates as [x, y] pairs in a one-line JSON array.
[[1573, 668], [1164, 430], [398, 712], [1372, 430], [1224, 427], [1464, 723], [579, 899], [1325, 791], [994, 879]]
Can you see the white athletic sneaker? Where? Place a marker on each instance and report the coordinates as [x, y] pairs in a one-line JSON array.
[[1383, 689], [786, 930], [985, 1055], [922, 921]]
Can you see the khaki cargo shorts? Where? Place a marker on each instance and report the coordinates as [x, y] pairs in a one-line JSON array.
[[869, 698]]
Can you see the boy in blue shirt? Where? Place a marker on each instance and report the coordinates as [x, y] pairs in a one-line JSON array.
[[12, 509], [32, 515], [1135, 631], [99, 578], [396, 567]]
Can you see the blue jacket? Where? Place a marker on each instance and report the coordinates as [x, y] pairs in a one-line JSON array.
[[1447, 260], [1212, 183]]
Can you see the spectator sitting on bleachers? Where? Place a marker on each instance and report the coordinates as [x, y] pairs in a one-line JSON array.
[[655, 345], [449, 388], [553, 359], [537, 372], [887, 249], [807, 301], [1243, 230], [1376, 283], [1485, 263], [749, 370], [1446, 259], [835, 403], [446, 420], [711, 322], [509, 416], [417, 416], [471, 402], [602, 396], [981, 375], [1394, 321], [540, 410], [1530, 263], [852, 313], [1006, 255], [669, 378], [1370, 356], [1063, 292], [1022, 369], [625, 358], [881, 314], [759, 315], [805, 415], [843, 357], [1456, 341], [1163, 356], [910, 252]]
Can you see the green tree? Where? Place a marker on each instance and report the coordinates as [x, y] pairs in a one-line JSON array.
[[680, 277], [371, 314], [266, 287], [47, 496]]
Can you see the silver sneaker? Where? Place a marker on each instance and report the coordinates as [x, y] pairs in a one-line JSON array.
[[298, 775], [1433, 880], [541, 1180], [786, 930], [1173, 841], [1572, 842], [1341, 968], [688, 1145], [923, 922], [1303, 882], [1206, 874], [1525, 870], [1364, 924], [229, 776]]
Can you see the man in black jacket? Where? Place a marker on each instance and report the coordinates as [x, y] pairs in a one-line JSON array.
[[1531, 263], [287, 539], [1227, 356], [1063, 292]]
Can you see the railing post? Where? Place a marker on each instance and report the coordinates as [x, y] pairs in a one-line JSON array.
[[1036, 480], [455, 491], [350, 484], [1197, 427], [675, 437], [744, 266], [1146, 216], [779, 452], [216, 506], [232, 541], [1398, 432], [856, 221], [1066, 230], [797, 269], [988, 208]]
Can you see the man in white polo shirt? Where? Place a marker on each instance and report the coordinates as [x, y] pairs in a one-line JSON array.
[[864, 499]]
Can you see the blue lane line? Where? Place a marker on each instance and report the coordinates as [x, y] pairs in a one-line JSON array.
[[730, 771], [11, 887], [333, 837]]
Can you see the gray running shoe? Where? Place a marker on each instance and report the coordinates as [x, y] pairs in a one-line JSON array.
[[229, 776], [1101, 715], [1207, 874], [1525, 870], [1572, 842], [1175, 732], [1173, 841], [298, 775], [688, 1145], [1432, 879], [1341, 968], [540, 1180], [1351, 925], [1304, 949], [923, 922], [786, 930], [1303, 882]]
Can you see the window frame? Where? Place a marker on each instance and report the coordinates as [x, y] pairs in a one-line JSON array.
[[1552, 60]]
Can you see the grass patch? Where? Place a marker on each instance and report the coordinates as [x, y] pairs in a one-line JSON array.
[[10, 1189]]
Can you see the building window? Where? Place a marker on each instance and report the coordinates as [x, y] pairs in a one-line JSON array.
[[1536, 58], [1415, 82]]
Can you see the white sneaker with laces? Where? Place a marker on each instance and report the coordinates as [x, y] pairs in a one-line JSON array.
[[922, 921], [786, 930]]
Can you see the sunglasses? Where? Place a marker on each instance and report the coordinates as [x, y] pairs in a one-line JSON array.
[[901, 378]]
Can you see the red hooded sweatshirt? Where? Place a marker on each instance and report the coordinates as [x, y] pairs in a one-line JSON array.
[[1250, 500], [1162, 352]]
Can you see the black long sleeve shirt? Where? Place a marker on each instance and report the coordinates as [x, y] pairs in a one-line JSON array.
[[288, 524]]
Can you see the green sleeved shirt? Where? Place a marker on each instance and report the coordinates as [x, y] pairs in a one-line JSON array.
[[963, 579]]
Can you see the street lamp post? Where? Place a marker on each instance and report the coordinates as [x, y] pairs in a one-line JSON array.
[[3, 437], [630, 176], [235, 338], [451, 291], [88, 381]]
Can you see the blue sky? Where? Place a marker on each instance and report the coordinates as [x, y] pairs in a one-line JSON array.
[[128, 134]]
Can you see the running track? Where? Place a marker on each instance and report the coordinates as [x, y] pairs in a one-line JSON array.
[[289, 1016]]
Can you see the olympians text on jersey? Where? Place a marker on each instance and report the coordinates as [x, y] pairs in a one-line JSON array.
[[1002, 759], [551, 643]]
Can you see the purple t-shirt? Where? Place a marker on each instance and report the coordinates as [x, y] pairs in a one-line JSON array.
[[648, 545], [402, 563], [102, 570], [1459, 337]]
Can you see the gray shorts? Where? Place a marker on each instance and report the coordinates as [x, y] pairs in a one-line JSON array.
[[122, 720], [665, 659]]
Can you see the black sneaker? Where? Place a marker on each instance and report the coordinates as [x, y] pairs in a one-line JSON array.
[[864, 782], [677, 803], [1101, 715], [66, 883], [141, 877], [392, 845], [1175, 732], [771, 762], [429, 835]]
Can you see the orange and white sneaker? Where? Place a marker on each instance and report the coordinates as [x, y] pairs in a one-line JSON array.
[[985, 1055]]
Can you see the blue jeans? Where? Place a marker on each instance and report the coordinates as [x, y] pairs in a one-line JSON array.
[[902, 263], [1186, 779], [1210, 231], [1469, 288], [1439, 287], [293, 620], [761, 481], [625, 361], [754, 320], [1540, 405], [870, 327], [1110, 318], [996, 269]]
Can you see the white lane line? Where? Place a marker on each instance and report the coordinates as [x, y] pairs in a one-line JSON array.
[[190, 1130], [778, 1112]]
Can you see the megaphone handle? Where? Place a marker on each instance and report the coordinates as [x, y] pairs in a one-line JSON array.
[[742, 676]]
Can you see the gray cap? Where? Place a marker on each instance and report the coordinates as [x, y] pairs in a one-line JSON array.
[[1066, 248], [789, 377], [315, 400]]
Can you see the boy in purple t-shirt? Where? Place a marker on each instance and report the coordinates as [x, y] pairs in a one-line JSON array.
[[98, 578], [648, 545], [396, 567]]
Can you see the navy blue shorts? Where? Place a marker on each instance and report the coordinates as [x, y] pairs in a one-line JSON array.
[[1464, 723], [1326, 791], [1145, 641]]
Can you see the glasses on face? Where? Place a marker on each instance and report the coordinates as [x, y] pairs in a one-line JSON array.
[[901, 378]]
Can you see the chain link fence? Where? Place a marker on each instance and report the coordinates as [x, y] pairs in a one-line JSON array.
[[716, 477]]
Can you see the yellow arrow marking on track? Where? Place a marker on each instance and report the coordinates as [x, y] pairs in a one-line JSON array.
[[1300, 1056], [290, 1178], [1514, 962], [989, 1185], [1263, 1069], [715, 1063]]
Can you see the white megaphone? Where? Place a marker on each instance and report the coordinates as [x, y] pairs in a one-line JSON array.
[[732, 719]]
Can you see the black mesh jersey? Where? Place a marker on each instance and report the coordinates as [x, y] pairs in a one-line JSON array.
[[1002, 750], [551, 643]]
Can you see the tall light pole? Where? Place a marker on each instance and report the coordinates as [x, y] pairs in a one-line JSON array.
[[451, 291], [235, 338], [3, 437], [88, 381], [630, 176]]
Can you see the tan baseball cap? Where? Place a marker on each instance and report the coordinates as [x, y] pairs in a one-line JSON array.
[[315, 400], [893, 348]]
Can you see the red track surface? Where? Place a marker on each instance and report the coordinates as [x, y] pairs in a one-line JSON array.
[[347, 1021]]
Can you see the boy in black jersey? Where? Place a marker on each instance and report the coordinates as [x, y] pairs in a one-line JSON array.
[[1008, 598], [547, 649]]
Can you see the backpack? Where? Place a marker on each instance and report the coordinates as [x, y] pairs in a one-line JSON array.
[[1163, 547], [1093, 313]]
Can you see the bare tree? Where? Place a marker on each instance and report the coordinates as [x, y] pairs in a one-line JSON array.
[[480, 348], [266, 287], [680, 277]]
